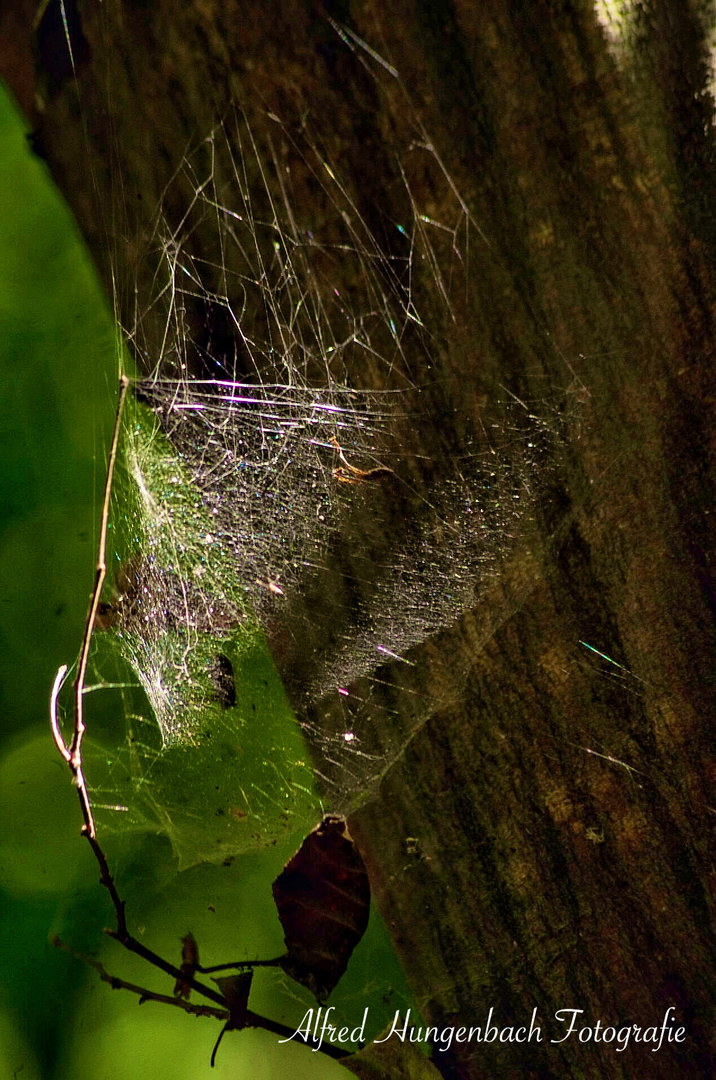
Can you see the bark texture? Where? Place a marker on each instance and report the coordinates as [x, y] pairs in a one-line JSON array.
[[565, 818]]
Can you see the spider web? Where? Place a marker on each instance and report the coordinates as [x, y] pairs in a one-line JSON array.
[[287, 530]]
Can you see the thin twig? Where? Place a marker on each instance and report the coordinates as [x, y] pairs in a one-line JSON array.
[[56, 733], [73, 753], [132, 945], [240, 965], [100, 574], [144, 994], [252, 1019]]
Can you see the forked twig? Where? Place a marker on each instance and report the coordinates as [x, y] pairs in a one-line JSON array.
[[252, 1019], [73, 753], [143, 994]]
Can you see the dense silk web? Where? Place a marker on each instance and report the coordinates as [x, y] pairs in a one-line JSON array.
[[278, 492]]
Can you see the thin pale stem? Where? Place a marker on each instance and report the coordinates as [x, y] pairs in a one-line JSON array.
[[100, 575], [54, 723]]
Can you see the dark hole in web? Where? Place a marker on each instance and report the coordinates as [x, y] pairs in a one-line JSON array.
[[221, 673]]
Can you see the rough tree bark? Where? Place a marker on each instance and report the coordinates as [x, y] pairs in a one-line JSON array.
[[565, 820]]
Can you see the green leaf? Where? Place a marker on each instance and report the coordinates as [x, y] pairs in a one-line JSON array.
[[228, 769]]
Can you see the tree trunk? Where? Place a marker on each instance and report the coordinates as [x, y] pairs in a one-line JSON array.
[[560, 800]]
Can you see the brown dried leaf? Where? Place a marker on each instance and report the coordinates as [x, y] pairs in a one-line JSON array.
[[189, 964], [323, 901], [236, 990]]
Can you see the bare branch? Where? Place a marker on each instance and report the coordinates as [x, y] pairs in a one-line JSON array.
[[252, 1019], [144, 995], [132, 945], [241, 965], [73, 754]]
